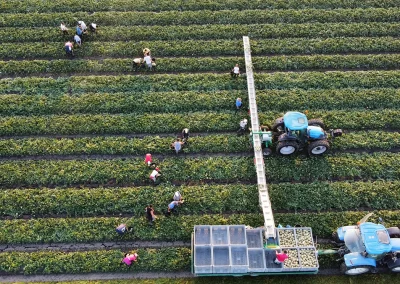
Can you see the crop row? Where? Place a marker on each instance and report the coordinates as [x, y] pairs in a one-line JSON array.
[[67, 230], [203, 64], [208, 32], [175, 122], [187, 101], [123, 171], [213, 143], [203, 17], [11, 6], [74, 202], [200, 82], [204, 48], [216, 143], [164, 259], [129, 200]]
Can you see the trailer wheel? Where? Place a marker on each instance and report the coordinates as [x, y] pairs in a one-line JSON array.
[[316, 122], [356, 270], [394, 232], [267, 152], [394, 266]]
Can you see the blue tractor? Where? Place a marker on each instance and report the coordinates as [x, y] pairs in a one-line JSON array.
[[294, 132], [368, 245]]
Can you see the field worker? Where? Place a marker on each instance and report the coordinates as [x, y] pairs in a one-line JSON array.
[[138, 63], [238, 104], [185, 135], [177, 196], [129, 258], [82, 25], [69, 48], [122, 229], [146, 51], [151, 217], [148, 160], [148, 61], [93, 27], [235, 71], [242, 125], [77, 40], [177, 145], [79, 31], [64, 28], [281, 257], [172, 206], [155, 174]]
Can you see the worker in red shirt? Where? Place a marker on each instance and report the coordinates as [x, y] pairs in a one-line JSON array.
[[281, 257]]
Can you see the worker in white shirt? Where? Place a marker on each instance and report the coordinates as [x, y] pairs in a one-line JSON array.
[[64, 28], [155, 174], [242, 127], [83, 26], [235, 71], [148, 61], [78, 40], [93, 27]]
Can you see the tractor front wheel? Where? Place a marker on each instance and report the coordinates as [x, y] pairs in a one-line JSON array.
[[286, 148], [318, 147], [355, 270], [316, 122]]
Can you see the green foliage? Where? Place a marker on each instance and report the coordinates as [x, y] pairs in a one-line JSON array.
[[164, 259], [381, 61], [68, 230], [202, 17], [74, 202], [122, 171], [167, 5]]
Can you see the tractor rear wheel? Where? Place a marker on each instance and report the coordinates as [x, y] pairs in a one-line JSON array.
[[319, 147], [286, 148], [316, 122]]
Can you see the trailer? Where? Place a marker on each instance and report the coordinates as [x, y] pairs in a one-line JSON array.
[[237, 250]]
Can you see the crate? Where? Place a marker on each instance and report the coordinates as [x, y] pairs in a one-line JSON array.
[[254, 238], [296, 256], [287, 242], [237, 235], [221, 259], [202, 259], [256, 260], [309, 241], [270, 265], [220, 235], [202, 235], [313, 251], [239, 259]]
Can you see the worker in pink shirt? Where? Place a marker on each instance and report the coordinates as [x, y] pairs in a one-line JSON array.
[[129, 258], [281, 257]]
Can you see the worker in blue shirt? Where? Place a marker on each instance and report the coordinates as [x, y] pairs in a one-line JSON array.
[[238, 104], [172, 205], [79, 31]]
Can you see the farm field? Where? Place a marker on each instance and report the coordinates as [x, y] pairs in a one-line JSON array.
[[74, 132]]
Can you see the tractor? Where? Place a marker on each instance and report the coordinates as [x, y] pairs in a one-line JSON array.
[[367, 245], [294, 132]]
